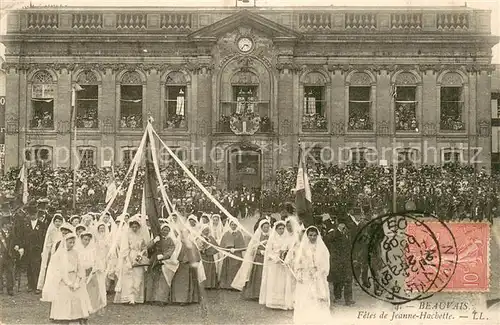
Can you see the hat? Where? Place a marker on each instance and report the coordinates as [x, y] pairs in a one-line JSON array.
[[86, 233], [325, 216], [67, 226], [80, 227], [73, 217], [43, 200]]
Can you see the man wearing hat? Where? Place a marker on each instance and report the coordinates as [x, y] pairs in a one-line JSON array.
[[9, 253], [33, 232], [43, 212]]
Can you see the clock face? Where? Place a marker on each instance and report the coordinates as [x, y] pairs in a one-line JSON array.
[[245, 44]]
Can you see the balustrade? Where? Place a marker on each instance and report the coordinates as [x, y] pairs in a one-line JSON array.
[[406, 21], [176, 21], [43, 21], [87, 21], [455, 21], [361, 21], [131, 21], [320, 21], [315, 22]]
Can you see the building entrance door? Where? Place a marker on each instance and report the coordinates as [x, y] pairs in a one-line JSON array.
[[244, 168]]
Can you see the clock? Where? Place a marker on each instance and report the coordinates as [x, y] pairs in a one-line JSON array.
[[245, 44]]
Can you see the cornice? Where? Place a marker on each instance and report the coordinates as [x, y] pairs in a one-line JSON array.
[[193, 67]]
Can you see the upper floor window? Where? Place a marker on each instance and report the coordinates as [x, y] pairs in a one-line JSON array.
[[131, 100], [245, 98], [40, 156], [87, 100], [405, 100], [42, 100], [452, 103], [175, 101], [87, 157], [314, 107], [128, 154], [360, 102]]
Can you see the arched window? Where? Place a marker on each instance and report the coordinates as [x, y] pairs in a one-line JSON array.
[[87, 156], [245, 85], [404, 92], [175, 101], [87, 100], [42, 100], [39, 155], [314, 102], [131, 100], [452, 99], [360, 102]]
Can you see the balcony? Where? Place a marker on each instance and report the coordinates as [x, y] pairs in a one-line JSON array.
[[314, 123], [244, 117], [87, 122], [310, 20]]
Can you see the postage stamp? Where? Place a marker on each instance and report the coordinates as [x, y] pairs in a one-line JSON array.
[[471, 259]]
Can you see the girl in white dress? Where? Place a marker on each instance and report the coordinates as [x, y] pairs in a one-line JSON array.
[[66, 289], [273, 290], [130, 272], [312, 294]]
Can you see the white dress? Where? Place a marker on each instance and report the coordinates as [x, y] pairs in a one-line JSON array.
[[273, 292], [312, 296]]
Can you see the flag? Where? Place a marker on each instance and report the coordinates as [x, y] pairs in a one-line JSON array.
[[303, 200], [111, 189], [152, 207], [22, 185]]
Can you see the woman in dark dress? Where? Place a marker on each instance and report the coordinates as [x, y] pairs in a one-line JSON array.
[[207, 256], [234, 243], [158, 281]]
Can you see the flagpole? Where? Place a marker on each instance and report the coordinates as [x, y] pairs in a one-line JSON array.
[[394, 153], [73, 123]]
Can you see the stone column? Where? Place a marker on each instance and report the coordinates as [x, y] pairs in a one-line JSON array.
[[107, 117], [286, 119], [65, 153], [15, 117], [430, 118]]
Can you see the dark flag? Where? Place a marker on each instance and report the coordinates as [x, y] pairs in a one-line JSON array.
[[153, 210], [303, 200]]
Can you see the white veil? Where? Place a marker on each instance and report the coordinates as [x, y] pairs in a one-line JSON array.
[[310, 255], [57, 271]]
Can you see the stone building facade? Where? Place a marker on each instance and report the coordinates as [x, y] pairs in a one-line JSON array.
[[235, 89]]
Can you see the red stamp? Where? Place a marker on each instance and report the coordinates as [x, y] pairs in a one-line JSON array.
[[462, 264]]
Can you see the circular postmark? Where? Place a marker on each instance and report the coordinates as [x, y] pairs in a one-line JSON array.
[[403, 256]]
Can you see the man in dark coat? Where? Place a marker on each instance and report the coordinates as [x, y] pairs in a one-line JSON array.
[[339, 244], [9, 253], [33, 233]]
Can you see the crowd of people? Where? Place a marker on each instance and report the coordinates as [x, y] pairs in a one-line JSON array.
[[78, 262], [451, 192]]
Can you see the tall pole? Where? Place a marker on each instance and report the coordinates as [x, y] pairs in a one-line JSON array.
[[394, 174], [73, 149]]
